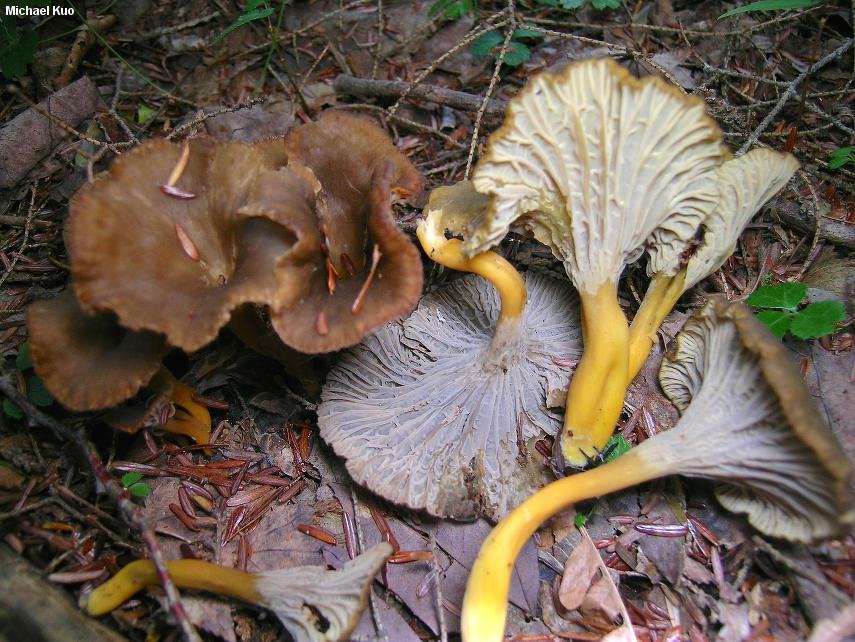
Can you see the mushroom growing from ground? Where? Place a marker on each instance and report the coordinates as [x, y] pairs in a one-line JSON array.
[[314, 604], [89, 362], [744, 184], [175, 237], [748, 423], [600, 166], [436, 412], [302, 225]]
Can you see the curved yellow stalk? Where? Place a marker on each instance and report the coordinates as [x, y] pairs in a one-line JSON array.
[[598, 387], [191, 418], [488, 264], [661, 297], [192, 574], [485, 600]]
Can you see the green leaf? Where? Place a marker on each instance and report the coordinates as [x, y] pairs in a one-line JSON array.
[[11, 410], [772, 5], [580, 520], [138, 490], [145, 113], [616, 447], [18, 53], [778, 321], [516, 54], [784, 295], [23, 361], [522, 32], [249, 16], [454, 9], [37, 392], [129, 479], [606, 4], [564, 4], [839, 157], [484, 45], [817, 319]]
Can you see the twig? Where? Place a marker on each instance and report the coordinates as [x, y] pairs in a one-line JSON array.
[[789, 93], [198, 120], [512, 25], [490, 24], [360, 547], [437, 573], [431, 93], [128, 509], [27, 224]]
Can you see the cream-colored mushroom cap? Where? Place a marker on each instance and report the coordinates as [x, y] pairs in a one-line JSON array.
[[599, 166], [756, 428], [744, 184], [427, 412]]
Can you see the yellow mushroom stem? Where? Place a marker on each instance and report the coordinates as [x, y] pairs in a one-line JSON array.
[[661, 297], [191, 418], [488, 264], [598, 387], [191, 574], [486, 597]]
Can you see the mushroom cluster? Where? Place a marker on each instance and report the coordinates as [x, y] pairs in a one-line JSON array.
[[174, 238], [438, 412], [603, 167], [747, 423]]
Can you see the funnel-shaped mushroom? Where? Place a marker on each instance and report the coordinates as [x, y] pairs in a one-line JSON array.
[[744, 184], [365, 271], [747, 423], [435, 412], [178, 260], [314, 604], [599, 166], [172, 238], [89, 362]]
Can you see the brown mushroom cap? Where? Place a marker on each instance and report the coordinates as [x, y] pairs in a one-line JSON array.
[[254, 231], [172, 265], [356, 172], [755, 427], [425, 412], [89, 362]]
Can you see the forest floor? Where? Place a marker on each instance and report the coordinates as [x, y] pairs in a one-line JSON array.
[[780, 79]]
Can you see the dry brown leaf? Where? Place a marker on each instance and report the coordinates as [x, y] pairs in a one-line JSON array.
[[579, 570]]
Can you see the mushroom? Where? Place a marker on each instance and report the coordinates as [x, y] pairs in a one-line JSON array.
[[168, 253], [303, 226], [744, 184], [436, 412], [747, 423], [89, 362], [600, 166], [314, 604], [364, 270]]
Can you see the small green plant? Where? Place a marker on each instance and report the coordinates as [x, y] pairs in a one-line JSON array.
[[773, 5], [839, 157], [135, 487], [453, 9], [254, 10], [37, 394], [781, 311], [17, 48], [616, 447], [516, 54]]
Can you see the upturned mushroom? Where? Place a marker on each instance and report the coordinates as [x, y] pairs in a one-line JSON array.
[[763, 443], [314, 604], [600, 166], [436, 412], [744, 184]]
